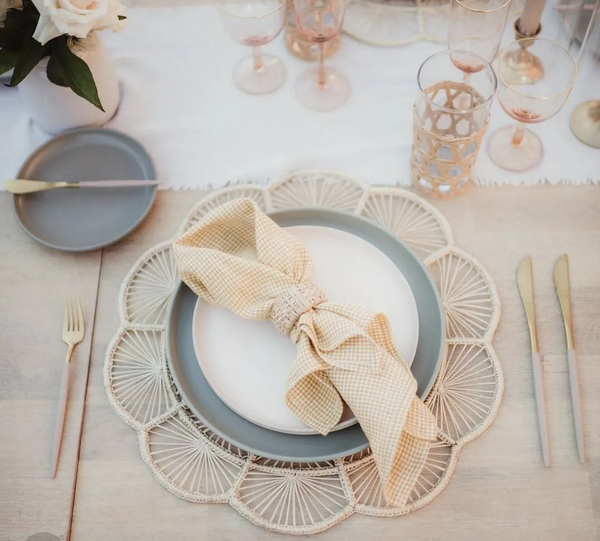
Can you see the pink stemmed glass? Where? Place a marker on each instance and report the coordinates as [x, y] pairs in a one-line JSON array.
[[321, 88], [477, 26], [528, 101], [255, 23]]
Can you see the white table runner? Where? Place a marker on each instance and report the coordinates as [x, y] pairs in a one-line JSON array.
[[179, 101]]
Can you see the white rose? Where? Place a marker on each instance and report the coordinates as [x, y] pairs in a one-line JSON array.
[[76, 17]]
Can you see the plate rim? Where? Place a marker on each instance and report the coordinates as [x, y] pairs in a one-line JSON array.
[[325, 457], [52, 141]]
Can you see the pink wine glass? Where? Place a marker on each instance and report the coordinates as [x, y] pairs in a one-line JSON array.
[[477, 26], [516, 148], [255, 23], [321, 88]]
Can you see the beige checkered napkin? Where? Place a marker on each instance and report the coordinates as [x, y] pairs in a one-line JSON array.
[[239, 258]]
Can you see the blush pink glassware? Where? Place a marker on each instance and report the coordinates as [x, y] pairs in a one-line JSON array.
[[321, 88], [255, 23], [516, 148], [477, 26]]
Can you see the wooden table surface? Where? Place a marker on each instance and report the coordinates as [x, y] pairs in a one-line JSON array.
[[500, 489]]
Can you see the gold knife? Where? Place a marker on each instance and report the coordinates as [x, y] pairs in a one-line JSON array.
[[561, 283], [25, 186], [525, 283]]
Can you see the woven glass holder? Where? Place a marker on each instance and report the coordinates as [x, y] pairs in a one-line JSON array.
[[441, 163]]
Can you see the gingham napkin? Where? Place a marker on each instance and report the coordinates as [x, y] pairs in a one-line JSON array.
[[239, 258]]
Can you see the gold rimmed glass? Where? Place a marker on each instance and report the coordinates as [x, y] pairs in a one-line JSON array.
[[516, 148], [477, 26], [255, 23], [449, 121]]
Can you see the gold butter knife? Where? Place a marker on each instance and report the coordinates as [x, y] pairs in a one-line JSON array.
[[24, 186], [561, 283], [525, 283]]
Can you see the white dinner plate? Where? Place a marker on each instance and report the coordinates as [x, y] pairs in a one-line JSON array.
[[246, 362]]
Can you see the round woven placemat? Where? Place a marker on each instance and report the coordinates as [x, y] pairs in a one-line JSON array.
[[301, 498]]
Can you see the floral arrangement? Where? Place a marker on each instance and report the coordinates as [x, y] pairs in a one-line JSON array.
[[31, 30]]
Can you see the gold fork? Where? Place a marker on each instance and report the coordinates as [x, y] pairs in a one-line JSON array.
[[73, 332]]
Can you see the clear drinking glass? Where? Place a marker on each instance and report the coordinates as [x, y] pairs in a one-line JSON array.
[[441, 84], [321, 88], [477, 26], [255, 23], [517, 148], [450, 119]]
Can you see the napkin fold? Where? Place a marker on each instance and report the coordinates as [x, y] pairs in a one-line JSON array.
[[239, 258]]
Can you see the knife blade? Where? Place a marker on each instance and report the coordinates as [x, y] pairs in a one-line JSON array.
[[563, 291], [561, 283], [525, 284]]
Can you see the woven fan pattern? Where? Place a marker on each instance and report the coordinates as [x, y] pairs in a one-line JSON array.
[[393, 23], [195, 464]]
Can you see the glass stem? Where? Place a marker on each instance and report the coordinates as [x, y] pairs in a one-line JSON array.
[[518, 135], [322, 77], [465, 101], [258, 62]]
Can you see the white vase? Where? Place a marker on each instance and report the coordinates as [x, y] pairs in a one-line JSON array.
[[55, 108]]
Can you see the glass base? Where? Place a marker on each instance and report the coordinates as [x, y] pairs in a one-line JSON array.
[[522, 67], [513, 151], [259, 76], [585, 123], [327, 97]]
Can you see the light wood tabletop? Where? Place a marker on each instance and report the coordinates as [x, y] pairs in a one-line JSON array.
[[499, 491]]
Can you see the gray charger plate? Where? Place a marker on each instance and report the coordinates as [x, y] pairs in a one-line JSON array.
[[79, 220], [211, 411]]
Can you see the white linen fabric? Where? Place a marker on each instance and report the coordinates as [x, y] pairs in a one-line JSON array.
[[179, 101]]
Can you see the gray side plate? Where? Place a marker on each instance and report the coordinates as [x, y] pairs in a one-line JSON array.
[[78, 220]]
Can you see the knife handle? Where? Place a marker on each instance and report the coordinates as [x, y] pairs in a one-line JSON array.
[[115, 183], [576, 401], [540, 403]]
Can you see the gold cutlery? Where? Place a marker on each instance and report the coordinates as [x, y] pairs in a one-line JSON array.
[[25, 186], [525, 283], [561, 283], [73, 332]]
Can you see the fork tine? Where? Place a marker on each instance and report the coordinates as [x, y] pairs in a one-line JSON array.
[[79, 316], [72, 313]]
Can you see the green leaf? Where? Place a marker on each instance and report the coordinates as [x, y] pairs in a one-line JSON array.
[[11, 38], [76, 72], [55, 72], [30, 9], [8, 59], [29, 56], [21, 20], [122, 17]]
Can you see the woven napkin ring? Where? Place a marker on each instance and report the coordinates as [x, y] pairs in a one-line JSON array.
[[294, 302]]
